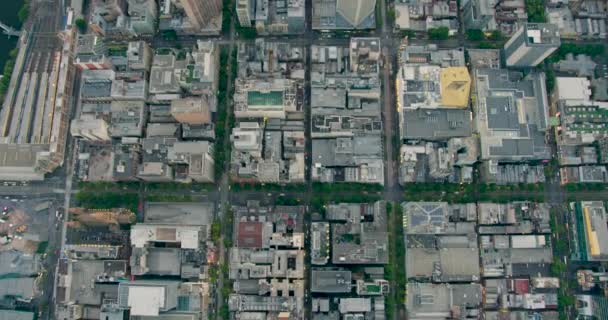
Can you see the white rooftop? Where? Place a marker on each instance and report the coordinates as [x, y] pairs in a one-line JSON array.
[[187, 236], [146, 301], [574, 89]]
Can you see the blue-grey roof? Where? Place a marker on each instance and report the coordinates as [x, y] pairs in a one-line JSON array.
[[502, 113], [435, 124]]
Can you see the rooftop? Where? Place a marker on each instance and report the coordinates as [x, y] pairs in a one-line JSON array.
[[331, 281], [187, 237], [359, 235], [148, 298], [435, 124], [343, 14], [16, 315], [455, 87], [439, 218], [512, 115], [445, 265], [439, 300], [591, 230], [573, 90], [541, 34], [178, 213]]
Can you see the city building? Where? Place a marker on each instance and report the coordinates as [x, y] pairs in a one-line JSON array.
[[430, 86], [272, 16], [531, 44], [355, 236], [268, 139], [343, 14], [346, 113], [422, 15], [267, 262], [127, 118], [165, 250], [438, 161], [441, 242], [591, 306], [331, 281], [536, 295], [192, 161], [433, 88], [359, 234], [191, 110], [90, 128], [512, 115], [142, 17], [245, 12], [435, 124], [200, 13], [514, 240], [425, 300], [16, 315], [91, 53], [513, 218], [321, 244], [584, 19], [590, 230], [580, 65], [35, 113], [109, 18], [271, 99], [194, 72], [148, 298], [489, 15], [583, 174]]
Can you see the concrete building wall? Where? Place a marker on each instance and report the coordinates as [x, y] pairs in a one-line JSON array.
[[200, 12]]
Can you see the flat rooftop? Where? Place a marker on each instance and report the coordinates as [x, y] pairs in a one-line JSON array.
[[180, 213], [437, 301], [512, 115], [435, 124], [331, 281], [453, 264], [541, 34]]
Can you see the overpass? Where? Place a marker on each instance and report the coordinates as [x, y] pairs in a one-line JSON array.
[[9, 31]]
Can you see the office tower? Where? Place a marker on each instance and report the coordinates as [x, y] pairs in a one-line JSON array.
[[243, 12], [531, 44], [201, 12]]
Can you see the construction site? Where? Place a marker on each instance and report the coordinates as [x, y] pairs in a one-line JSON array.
[[91, 226]]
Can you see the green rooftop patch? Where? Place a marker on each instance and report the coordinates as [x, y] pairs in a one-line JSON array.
[[272, 98]]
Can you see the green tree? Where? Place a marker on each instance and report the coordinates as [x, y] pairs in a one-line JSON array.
[[549, 79], [391, 14], [496, 35], [486, 45], [13, 53], [475, 35], [81, 24], [557, 267], [170, 35], [536, 10], [24, 12], [441, 33], [216, 228], [248, 33]]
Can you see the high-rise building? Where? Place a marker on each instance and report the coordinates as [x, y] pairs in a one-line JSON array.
[[109, 10], [531, 44], [191, 110], [201, 12], [243, 12], [143, 15], [343, 14]]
